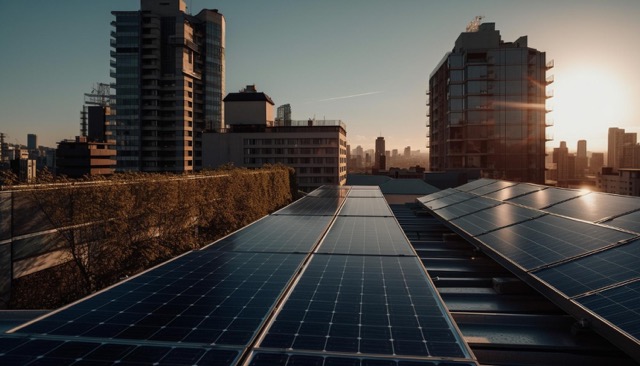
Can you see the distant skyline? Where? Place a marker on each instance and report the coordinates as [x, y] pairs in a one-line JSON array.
[[366, 62]]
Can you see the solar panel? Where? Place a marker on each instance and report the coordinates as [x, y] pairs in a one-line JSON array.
[[312, 206], [547, 197], [365, 193], [514, 191], [279, 233], [330, 191], [596, 206], [366, 235], [466, 207], [437, 195], [367, 305], [448, 200], [619, 306], [204, 297], [290, 359], [596, 271], [629, 222], [494, 218], [489, 188], [365, 207], [475, 184], [23, 351], [549, 239]]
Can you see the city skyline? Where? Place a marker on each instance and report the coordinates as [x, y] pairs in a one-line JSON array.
[[332, 60]]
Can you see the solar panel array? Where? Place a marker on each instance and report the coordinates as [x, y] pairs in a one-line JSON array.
[[580, 248], [314, 283]]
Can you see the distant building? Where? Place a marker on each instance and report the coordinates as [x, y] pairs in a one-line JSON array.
[[32, 141], [407, 151], [487, 107], [23, 167], [620, 149], [317, 150], [379, 160], [169, 69], [283, 114], [625, 181], [80, 157], [561, 161], [596, 163], [582, 160]]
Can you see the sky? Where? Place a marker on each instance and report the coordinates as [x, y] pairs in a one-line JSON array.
[[365, 62]]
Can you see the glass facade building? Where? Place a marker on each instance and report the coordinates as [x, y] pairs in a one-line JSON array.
[[169, 70], [487, 107]]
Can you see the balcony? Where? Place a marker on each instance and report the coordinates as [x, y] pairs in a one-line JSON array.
[[549, 79], [548, 94], [549, 65], [549, 123]]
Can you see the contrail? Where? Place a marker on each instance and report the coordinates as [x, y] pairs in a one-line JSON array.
[[347, 96]]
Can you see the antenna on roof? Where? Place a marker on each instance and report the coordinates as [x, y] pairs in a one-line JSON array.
[[474, 25]]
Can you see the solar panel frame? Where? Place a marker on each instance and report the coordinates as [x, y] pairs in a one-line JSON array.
[[434, 196], [490, 188], [630, 222], [449, 200], [466, 207], [475, 184], [547, 197], [519, 189]]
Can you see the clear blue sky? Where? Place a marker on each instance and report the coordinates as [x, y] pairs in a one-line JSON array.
[[305, 52]]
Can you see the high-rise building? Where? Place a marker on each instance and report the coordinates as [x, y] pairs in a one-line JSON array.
[[561, 160], [379, 160], [487, 107], [283, 114], [621, 149], [32, 141], [407, 151], [582, 161], [169, 69], [596, 163]]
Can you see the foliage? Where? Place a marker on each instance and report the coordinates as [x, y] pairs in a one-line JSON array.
[[116, 227]]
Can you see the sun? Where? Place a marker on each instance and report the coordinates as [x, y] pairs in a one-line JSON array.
[[586, 102]]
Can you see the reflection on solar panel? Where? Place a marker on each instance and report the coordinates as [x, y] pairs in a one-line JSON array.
[[449, 200], [267, 235], [489, 188], [629, 222], [23, 351], [437, 195], [366, 235], [619, 306], [365, 207], [211, 307], [283, 359], [595, 271], [366, 193], [204, 297], [549, 239], [547, 197], [494, 218], [514, 191], [364, 304], [466, 207], [312, 206], [596, 206], [475, 184]]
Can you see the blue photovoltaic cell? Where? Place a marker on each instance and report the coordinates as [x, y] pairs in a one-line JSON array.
[[366, 304], [25, 351], [437, 195], [291, 359], [466, 207], [366, 235], [494, 218], [549, 239], [489, 188], [618, 305], [285, 234], [475, 184], [449, 200], [595, 271], [547, 197], [596, 206], [514, 191], [629, 222], [312, 206], [204, 297], [365, 207]]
